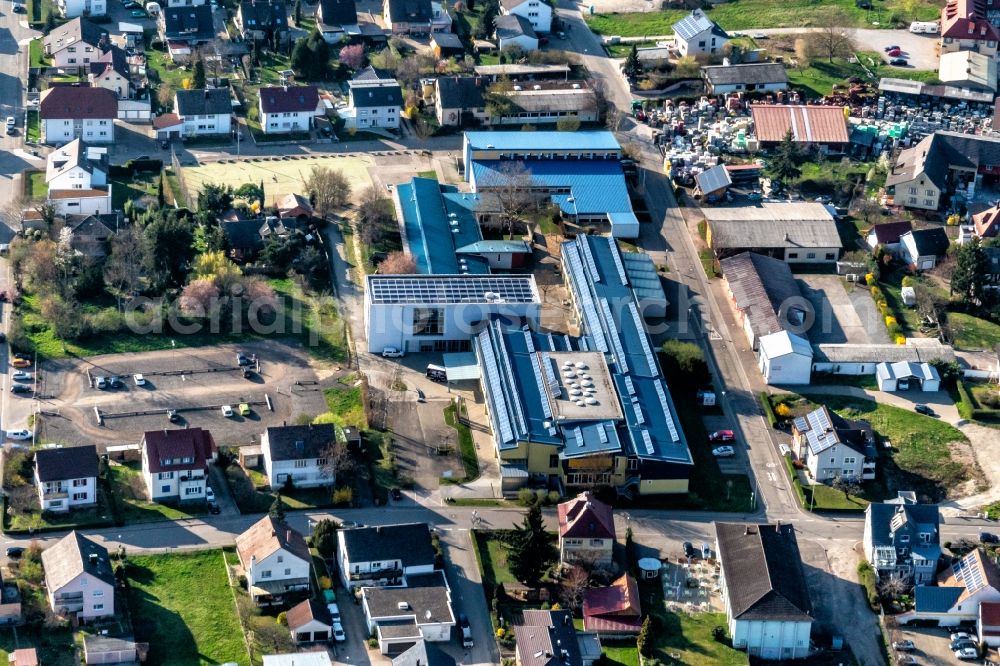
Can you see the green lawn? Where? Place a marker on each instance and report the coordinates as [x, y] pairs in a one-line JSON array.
[[432, 174], [690, 638], [183, 606], [969, 332], [34, 185], [37, 54], [820, 497], [129, 489], [33, 131], [345, 407], [466, 444], [54, 645], [831, 177], [495, 570], [756, 14], [164, 70], [620, 655], [135, 188]]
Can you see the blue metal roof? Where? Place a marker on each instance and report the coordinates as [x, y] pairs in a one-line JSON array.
[[435, 224], [596, 186], [496, 246], [936, 599], [598, 140]]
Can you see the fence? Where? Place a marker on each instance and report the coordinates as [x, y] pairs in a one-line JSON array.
[[185, 194]]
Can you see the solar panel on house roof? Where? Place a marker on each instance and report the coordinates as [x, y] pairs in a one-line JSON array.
[[396, 289], [643, 339], [661, 394], [647, 441], [971, 575]]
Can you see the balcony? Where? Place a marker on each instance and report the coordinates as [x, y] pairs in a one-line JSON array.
[[380, 574], [56, 494]]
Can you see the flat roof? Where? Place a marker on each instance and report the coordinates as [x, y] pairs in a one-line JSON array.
[[908, 87], [432, 230], [517, 69], [450, 289], [549, 140], [578, 386]]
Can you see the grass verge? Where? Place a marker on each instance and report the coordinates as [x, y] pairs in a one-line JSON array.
[[969, 332], [466, 444]]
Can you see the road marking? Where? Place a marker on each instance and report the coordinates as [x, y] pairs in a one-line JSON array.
[[770, 477]]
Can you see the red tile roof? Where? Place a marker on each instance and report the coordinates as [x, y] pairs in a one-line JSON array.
[[987, 222], [989, 614], [808, 124], [966, 19], [289, 99], [586, 517], [194, 443], [78, 103], [613, 608], [166, 120]]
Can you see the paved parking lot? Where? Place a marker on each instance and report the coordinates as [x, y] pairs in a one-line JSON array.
[[736, 464], [931, 643], [841, 318]]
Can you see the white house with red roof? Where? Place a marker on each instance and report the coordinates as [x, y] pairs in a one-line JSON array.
[[586, 531], [289, 109], [175, 463], [965, 27]]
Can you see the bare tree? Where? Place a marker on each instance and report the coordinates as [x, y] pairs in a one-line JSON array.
[[13, 212], [929, 306], [374, 216], [397, 263], [123, 270], [847, 485], [574, 584], [893, 586], [832, 41], [328, 188], [338, 460], [513, 193], [803, 53]]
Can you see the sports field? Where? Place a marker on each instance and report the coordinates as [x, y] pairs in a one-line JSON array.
[[280, 176]]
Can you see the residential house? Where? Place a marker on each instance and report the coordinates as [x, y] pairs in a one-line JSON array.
[[288, 109], [784, 358], [548, 638], [185, 27], [903, 539], [697, 35], [66, 477], [175, 463], [373, 103], [384, 555], [767, 601], [78, 578], [920, 249], [586, 531], [824, 127], [423, 654], [942, 163], [751, 78], [23, 657], [614, 611], [986, 223], [441, 20], [168, 126], [546, 102], [400, 616], [833, 447], [887, 236], [992, 268], [204, 112], [77, 180], [515, 31], [337, 20], [276, 561], [764, 295], [965, 27], [969, 70], [309, 621], [404, 17], [243, 237], [460, 101], [10, 602], [960, 590], [294, 208], [988, 623], [262, 20], [76, 43], [446, 44], [76, 8], [299, 455], [111, 72], [538, 12], [90, 234], [796, 232], [69, 112]]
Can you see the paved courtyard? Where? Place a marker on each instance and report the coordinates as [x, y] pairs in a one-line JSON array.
[[842, 316]]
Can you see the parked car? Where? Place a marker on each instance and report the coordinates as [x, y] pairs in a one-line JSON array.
[[760, 35], [20, 388], [894, 47], [722, 436], [396, 494], [463, 623], [723, 452], [11, 123], [20, 9], [689, 551], [115, 382], [338, 632], [962, 644], [960, 635], [214, 508], [923, 409], [906, 660], [988, 537], [967, 653], [904, 646], [391, 352], [19, 435], [139, 379], [227, 410], [899, 62], [22, 376], [334, 610], [244, 409], [172, 416], [15, 552], [21, 363], [892, 53], [100, 382], [209, 494]]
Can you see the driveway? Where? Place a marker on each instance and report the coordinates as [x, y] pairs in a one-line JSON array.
[[838, 319]]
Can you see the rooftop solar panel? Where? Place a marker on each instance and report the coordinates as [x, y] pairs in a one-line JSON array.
[[493, 375], [629, 386], [618, 260], [661, 394], [546, 408], [643, 338], [616, 339], [396, 289], [572, 256], [588, 256], [504, 363], [647, 441]]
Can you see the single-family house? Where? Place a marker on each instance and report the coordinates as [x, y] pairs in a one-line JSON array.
[[696, 35], [446, 44], [77, 8], [262, 20], [111, 72], [70, 112], [309, 621], [90, 234], [921, 249], [538, 12], [887, 236], [960, 589], [66, 477], [515, 31], [243, 237], [78, 578], [204, 112], [969, 70], [288, 109], [460, 101], [907, 375], [586, 531], [175, 463], [784, 358], [986, 223], [402, 17], [767, 601], [400, 616], [965, 26], [299, 455], [423, 654], [833, 447], [824, 127], [903, 539], [756, 77], [77, 180], [384, 555], [337, 19], [294, 208], [275, 559], [373, 103], [76, 43], [548, 638], [614, 611], [185, 27], [764, 295], [10, 602], [941, 163]]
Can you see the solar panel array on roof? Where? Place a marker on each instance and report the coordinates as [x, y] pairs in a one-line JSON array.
[[970, 573], [587, 302], [397, 289], [618, 261], [493, 376]]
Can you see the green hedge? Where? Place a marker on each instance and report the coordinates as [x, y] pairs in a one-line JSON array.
[[794, 478], [970, 409], [866, 575], [765, 402]]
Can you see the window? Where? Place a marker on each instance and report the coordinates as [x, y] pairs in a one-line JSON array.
[[811, 255], [633, 464], [79, 483], [266, 573], [288, 572], [321, 462], [928, 202], [930, 193], [428, 321], [301, 463], [850, 461], [596, 543], [79, 497], [904, 538], [192, 490], [281, 558], [98, 593], [98, 607], [925, 537], [553, 461], [793, 255], [830, 256], [163, 476], [913, 190], [164, 489]]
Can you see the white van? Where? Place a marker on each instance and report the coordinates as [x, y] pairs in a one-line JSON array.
[[925, 27]]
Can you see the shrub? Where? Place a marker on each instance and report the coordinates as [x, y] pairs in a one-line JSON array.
[[643, 641], [765, 402], [890, 321], [325, 582], [907, 281], [526, 497], [783, 410], [869, 279], [343, 496], [866, 575], [282, 619]]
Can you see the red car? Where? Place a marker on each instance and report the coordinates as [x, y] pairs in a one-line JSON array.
[[722, 436], [893, 53]]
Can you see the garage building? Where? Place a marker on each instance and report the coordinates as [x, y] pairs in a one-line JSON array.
[[905, 375], [309, 622], [784, 358]]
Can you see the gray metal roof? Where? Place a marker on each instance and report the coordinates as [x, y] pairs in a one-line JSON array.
[[765, 290], [773, 225], [713, 179], [752, 73], [875, 353], [451, 289]]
